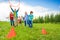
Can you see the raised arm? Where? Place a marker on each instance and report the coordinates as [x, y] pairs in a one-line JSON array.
[[11, 8], [18, 9]]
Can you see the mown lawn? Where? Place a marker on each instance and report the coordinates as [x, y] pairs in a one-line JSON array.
[[35, 33]]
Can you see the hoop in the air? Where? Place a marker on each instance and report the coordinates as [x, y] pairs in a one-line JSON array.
[[14, 5]]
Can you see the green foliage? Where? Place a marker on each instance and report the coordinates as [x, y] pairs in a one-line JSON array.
[[40, 19], [52, 18], [57, 18], [35, 21], [48, 19]]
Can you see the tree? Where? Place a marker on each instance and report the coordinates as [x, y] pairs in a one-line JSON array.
[[41, 20], [57, 18], [51, 18], [46, 19]]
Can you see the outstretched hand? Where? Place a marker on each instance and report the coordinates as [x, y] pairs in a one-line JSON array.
[[19, 8], [10, 6]]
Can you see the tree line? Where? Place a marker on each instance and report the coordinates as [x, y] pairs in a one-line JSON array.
[[48, 19]]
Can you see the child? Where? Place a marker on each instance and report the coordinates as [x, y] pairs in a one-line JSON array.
[[26, 18], [30, 19], [19, 20], [15, 15], [12, 19]]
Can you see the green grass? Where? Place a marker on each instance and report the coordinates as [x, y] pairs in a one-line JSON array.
[[26, 33]]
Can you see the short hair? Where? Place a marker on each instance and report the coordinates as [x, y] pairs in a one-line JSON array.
[[31, 11], [10, 12]]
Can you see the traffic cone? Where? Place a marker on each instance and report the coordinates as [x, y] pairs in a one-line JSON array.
[[44, 31], [11, 34]]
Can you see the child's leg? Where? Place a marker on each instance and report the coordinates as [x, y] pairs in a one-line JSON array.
[[25, 23], [11, 22], [16, 22], [31, 24]]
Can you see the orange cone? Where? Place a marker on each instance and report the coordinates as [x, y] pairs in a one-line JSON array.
[[44, 31], [12, 33]]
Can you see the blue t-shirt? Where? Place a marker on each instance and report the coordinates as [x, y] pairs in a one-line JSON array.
[[30, 17], [26, 17]]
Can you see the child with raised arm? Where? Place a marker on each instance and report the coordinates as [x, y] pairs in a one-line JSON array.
[[15, 15]]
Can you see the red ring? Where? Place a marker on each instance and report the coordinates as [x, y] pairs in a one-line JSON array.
[[13, 5]]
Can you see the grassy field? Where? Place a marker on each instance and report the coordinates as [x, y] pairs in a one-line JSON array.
[[35, 33]]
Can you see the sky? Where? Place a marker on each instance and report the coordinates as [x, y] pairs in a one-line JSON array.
[[53, 4], [39, 7]]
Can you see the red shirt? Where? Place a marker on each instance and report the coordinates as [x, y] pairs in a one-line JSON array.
[[11, 16]]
